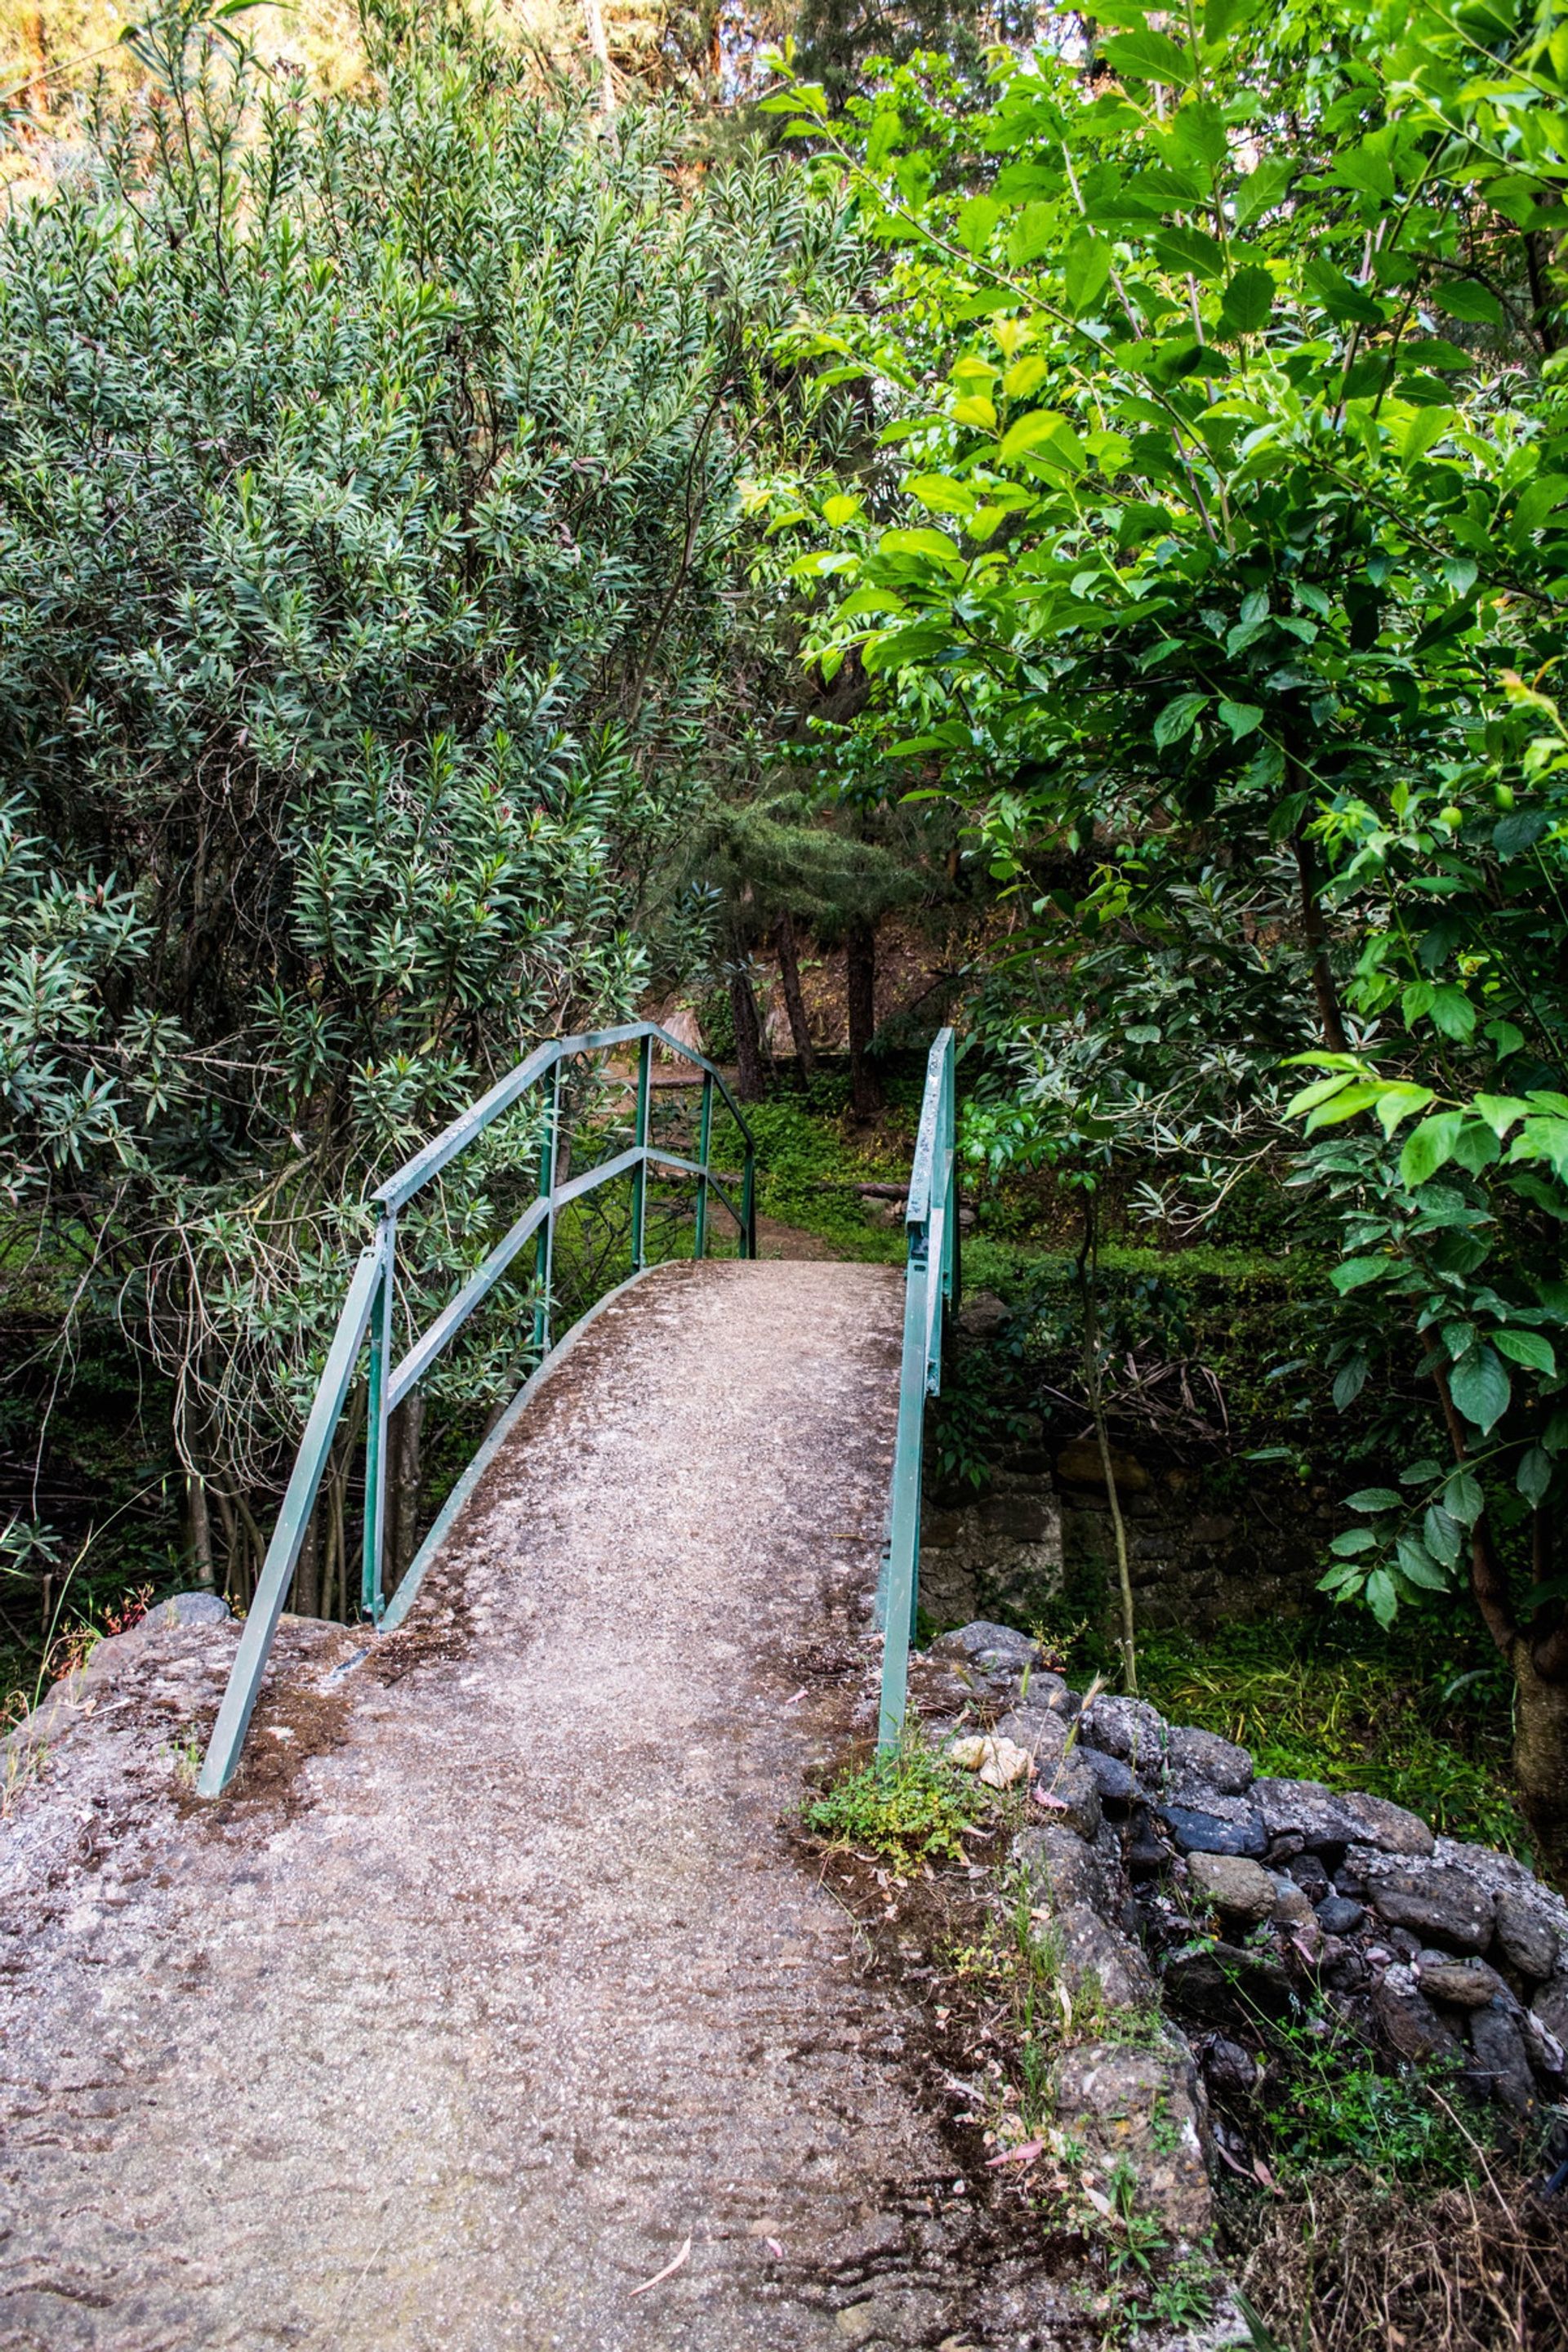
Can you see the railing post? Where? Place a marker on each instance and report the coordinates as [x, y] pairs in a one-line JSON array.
[[639, 1173], [704, 1155], [544, 1247], [749, 1205], [375, 1422], [950, 1244]]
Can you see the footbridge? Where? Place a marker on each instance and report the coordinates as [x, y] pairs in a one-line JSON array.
[[479, 1997]]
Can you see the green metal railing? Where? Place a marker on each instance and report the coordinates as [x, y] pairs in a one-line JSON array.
[[931, 1287], [367, 1313]]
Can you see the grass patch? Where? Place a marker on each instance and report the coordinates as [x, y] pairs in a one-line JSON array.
[[1418, 1715], [908, 1805]]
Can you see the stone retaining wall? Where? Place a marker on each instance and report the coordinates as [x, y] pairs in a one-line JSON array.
[[1171, 1869]]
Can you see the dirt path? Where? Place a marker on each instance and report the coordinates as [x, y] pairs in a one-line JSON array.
[[451, 2032]]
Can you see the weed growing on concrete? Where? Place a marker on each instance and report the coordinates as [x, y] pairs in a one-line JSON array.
[[909, 1805]]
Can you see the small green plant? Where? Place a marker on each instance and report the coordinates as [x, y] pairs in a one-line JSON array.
[[186, 1757], [909, 1805]]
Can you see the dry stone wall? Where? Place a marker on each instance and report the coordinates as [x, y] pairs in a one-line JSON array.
[[1175, 1872]]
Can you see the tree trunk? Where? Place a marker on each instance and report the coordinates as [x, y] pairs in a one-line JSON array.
[[1541, 1760], [36, 49], [1088, 1284], [198, 1521], [594, 18], [306, 1598], [748, 1035], [1330, 1020], [795, 1003], [860, 990], [404, 1435]]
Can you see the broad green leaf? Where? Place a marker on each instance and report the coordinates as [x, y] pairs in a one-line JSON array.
[[1357, 1272], [1262, 189], [941, 493], [1366, 169], [1248, 300], [1442, 1535], [1353, 1540], [840, 509], [887, 129], [1025, 375], [1149, 56], [1033, 233], [1381, 1597], [1499, 1111], [1349, 1381], [1430, 1147], [934, 545], [976, 220], [1400, 1101], [1530, 1349], [1534, 1475], [1480, 1388], [1243, 719], [1087, 268], [1043, 433], [1453, 1013], [1373, 1498], [1319, 1091], [1178, 718], [975, 409], [1191, 249], [1461, 297], [1357, 1097], [1417, 1563], [1463, 1498]]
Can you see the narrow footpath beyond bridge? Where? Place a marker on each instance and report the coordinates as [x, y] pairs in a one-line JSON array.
[[497, 1980]]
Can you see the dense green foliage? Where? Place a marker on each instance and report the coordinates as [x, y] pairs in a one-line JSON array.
[[368, 531], [1215, 568]]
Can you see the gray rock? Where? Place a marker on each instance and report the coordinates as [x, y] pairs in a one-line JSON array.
[[1231, 2070], [1310, 1877], [1231, 1884], [1547, 2053], [1096, 1954], [1112, 1778], [1445, 1904], [1062, 1869], [186, 1609], [1338, 1916], [981, 1315], [1408, 2019], [1292, 1906], [1550, 2007], [1527, 1939], [1236, 1830], [1036, 1730], [1330, 1817], [1464, 1984], [1143, 2106], [984, 1640], [1068, 1790], [1202, 1759], [1502, 2062], [1127, 1727]]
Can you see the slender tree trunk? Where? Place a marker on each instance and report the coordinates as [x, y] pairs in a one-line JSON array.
[[1089, 1292], [748, 1034], [1537, 1660], [1330, 1020], [305, 1596], [36, 49], [594, 18], [795, 1003], [198, 1521], [860, 991], [402, 1487]]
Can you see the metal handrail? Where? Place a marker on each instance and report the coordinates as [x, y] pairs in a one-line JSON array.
[[931, 1287], [367, 1313]]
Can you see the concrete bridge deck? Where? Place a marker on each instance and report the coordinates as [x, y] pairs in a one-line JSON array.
[[497, 1980]]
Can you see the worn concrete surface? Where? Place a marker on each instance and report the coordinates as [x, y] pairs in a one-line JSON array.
[[497, 1980]]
